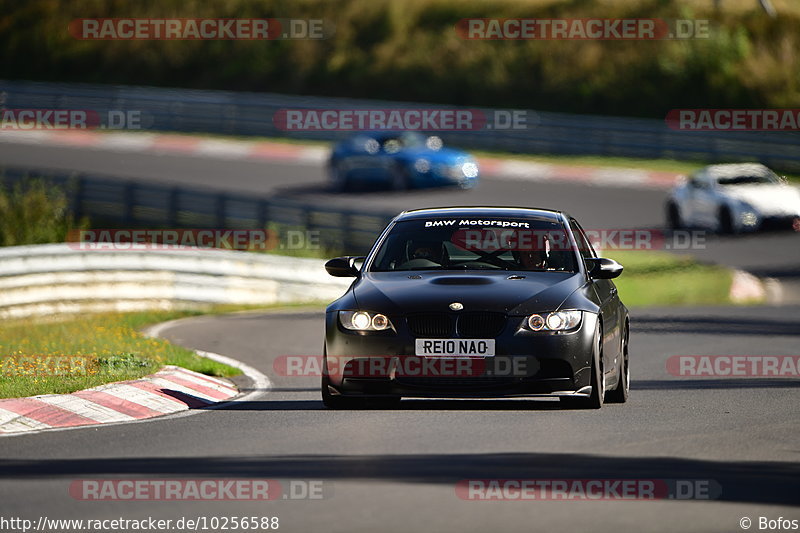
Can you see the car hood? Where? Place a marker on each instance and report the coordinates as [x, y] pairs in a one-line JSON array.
[[401, 293], [767, 199], [443, 155]]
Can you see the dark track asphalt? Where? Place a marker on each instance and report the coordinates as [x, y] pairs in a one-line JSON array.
[[395, 470]]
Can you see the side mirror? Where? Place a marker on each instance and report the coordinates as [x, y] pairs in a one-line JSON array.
[[602, 268], [344, 267]]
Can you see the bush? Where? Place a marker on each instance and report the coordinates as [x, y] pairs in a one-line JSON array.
[[35, 212]]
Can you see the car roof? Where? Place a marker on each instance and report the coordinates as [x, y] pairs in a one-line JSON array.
[[731, 170], [472, 211]]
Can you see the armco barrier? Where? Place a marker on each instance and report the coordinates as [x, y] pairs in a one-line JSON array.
[[241, 113], [140, 204], [56, 278]]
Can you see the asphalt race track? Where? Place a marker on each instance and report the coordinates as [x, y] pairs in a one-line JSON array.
[[396, 470]]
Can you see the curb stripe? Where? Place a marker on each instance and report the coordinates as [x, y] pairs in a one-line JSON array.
[[177, 396], [170, 384], [85, 408], [45, 413], [13, 423], [195, 389], [214, 385], [138, 396], [125, 406]]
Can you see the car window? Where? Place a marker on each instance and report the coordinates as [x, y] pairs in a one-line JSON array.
[[584, 246], [748, 180], [476, 244]]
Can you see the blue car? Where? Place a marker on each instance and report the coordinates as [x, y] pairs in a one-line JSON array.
[[405, 160]]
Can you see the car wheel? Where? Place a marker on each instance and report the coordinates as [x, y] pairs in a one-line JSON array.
[[338, 177], [674, 216], [401, 181], [621, 392], [598, 380], [726, 221], [332, 401]]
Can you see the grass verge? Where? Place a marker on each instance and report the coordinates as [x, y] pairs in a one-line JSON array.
[[663, 279], [75, 353]]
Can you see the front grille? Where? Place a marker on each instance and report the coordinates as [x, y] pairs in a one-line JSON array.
[[431, 325], [481, 325], [468, 325]]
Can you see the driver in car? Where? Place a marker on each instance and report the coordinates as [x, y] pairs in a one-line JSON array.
[[432, 251], [534, 259]]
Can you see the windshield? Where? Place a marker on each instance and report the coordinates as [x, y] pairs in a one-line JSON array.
[[763, 179], [476, 244]]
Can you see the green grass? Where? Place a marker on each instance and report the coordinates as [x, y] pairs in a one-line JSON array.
[[94, 349], [663, 279]]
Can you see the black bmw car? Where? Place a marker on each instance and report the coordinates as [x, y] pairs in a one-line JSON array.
[[477, 302]]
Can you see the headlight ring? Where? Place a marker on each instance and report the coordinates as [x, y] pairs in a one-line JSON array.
[[364, 321]]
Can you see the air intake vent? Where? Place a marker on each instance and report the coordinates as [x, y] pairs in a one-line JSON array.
[[468, 325], [481, 325], [435, 325]]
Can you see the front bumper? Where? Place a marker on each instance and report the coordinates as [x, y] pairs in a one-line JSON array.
[[525, 364], [780, 222]]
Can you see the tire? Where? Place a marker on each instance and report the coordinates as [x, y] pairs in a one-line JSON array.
[[621, 392], [725, 221], [338, 177], [401, 181], [674, 216], [598, 380]]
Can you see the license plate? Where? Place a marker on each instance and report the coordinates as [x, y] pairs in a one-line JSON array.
[[455, 347]]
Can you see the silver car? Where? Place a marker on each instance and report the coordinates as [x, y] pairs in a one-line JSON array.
[[734, 198]]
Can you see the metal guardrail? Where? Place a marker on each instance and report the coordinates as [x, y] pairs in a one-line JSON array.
[[57, 278], [243, 113], [122, 203]]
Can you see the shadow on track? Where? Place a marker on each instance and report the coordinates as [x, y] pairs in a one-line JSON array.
[[410, 404], [715, 384], [751, 482], [715, 325]]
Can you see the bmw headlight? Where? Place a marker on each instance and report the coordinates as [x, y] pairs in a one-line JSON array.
[[470, 169], [556, 321], [364, 321]]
